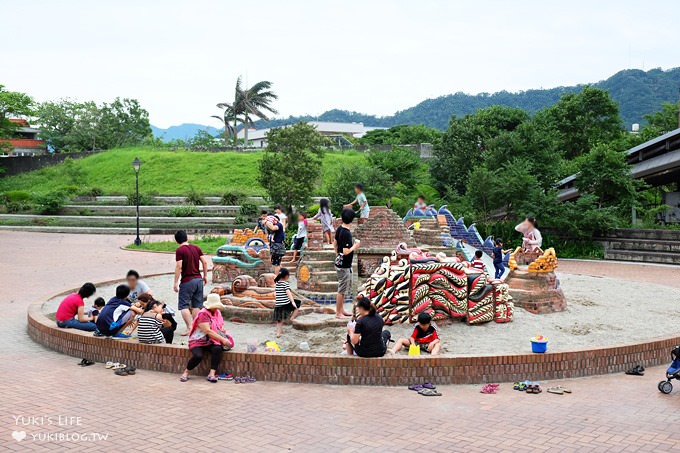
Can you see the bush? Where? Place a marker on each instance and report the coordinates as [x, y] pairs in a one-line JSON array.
[[145, 199], [242, 221], [92, 192], [312, 210], [195, 198], [249, 210], [51, 203], [233, 198], [16, 201], [71, 190], [184, 211]]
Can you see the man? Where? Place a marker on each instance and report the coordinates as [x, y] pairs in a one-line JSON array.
[[282, 217], [277, 243], [344, 247], [137, 286], [364, 209], [71, 312], [117, 314], [188, 282]]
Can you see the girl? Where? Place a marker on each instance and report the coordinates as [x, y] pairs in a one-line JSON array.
[[300, 236], [286, 306], [532, 237], [326, 217], [150, 324]]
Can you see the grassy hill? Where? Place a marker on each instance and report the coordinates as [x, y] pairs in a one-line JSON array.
[[162, 172]]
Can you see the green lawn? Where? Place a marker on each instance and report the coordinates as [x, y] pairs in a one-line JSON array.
[[163, 172], [208, 244]]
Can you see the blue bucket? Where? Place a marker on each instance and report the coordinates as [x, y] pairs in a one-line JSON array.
[[539, 347]]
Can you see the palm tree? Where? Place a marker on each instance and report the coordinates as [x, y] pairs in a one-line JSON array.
[[248, 102], [254, 101]]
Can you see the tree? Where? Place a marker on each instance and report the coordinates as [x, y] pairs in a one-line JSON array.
[[403, 165], [339, 185], [13, 104], [248, 102], [402, 135], [584, 119], [291, 164], [465, 142]]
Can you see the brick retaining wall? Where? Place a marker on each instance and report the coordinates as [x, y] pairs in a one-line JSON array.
[[337, 369]]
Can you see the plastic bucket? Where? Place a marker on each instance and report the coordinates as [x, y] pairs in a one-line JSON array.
[[539, 347]]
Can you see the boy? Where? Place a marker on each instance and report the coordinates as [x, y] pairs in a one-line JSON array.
[[498, 258], [344, 247], [188, 282], [117, 314], [424, 335], [420, 203], [96, 307], [477, 263], [282, 217], [362, 202], [261, 221], [300, 236], [137, 286]]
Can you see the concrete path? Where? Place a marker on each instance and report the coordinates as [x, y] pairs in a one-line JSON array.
[[59, 405]]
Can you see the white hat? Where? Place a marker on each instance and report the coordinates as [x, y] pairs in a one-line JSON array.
[[213, 301]]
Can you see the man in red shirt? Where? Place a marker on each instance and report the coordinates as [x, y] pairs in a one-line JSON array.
[[188, 282], [71, 311]]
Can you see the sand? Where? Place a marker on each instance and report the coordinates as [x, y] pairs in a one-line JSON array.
[[600, 312]]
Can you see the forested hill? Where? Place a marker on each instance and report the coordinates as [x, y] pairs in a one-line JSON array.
[[637, 93]]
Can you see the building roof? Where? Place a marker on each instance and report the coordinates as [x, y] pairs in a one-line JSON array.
[[324, 127]]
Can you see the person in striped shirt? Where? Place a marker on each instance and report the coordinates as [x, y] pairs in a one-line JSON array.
[[477, 263], [286, 306], [150, 323]]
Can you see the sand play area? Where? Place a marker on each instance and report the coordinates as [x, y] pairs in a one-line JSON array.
[[600, 312]]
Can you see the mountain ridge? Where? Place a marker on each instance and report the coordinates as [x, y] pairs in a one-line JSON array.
[[636, 91]]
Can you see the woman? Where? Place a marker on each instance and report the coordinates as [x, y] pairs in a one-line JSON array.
[[71, 311], [169, 323], [532, 237], [207, 335], [366, 336]]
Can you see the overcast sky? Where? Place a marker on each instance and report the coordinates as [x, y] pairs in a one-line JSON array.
[[180, 58]]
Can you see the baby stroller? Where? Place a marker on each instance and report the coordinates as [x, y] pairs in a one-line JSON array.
[[673, 372]]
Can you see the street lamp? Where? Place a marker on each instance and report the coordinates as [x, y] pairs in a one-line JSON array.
[[136, 164]]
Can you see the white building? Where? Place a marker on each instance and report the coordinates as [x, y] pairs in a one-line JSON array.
[[338, 132]]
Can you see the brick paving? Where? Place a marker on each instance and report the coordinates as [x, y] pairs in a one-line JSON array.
[[154, 412]]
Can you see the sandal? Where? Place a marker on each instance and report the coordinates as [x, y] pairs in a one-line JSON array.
[[564, 389], [556, 390], [427, 385], [529, 389], [118, 366], [416, 387], [130, 370], [637, 370], [489, 389], [212, 379], [523, 386], [537, 388], [110, 364], [183, 378], [86, 362], [515, 386], [429, 392], [121, 372]]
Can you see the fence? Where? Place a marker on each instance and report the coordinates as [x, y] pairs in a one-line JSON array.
[[20, 164]]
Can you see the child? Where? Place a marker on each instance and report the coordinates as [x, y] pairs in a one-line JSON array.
[[498, 258], [286, 306], [282, 217], [326, 217], [300, 237], [93, 311], [261, 221], [477, 263], [424, 335], [150, 324], [362, 202], [420, 203]]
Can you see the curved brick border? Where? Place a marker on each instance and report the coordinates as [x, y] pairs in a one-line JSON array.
[[337, 369]]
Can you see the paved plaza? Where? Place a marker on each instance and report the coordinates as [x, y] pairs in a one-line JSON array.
[[59, 405]]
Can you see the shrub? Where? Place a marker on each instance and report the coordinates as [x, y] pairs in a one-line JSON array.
[[249, 210], [233, 198], [312, 210], [50, 203], [71, 190], [92, 192], [184, 211], [145, 199], [241, 221], [195, 198], [16, 201]]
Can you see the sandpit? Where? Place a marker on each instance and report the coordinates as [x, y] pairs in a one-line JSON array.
[[600, 312]]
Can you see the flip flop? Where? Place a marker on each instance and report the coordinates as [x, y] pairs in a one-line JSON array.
[[86, 362], [564, 389], [130, 370], [212, 379], [118, 366], [110, 364], [489, 389], [121, 372], [416, 387], [530, 389], [515, 386], [430, 386], [537, 388], [429, 392], [183, 378], [556, 390]]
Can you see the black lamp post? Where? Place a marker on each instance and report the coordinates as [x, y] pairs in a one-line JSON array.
[[136, 164]]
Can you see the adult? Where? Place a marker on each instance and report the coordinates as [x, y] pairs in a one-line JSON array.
[[169, 323], [137, 286], [117, 314], [281, 215], [188, 282], [531, 236], [71, 312], [208, 336], [277, 243], [344, 248], [362, 202], [366, 337]]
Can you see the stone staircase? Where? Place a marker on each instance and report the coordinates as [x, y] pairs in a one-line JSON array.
[[648, 246]]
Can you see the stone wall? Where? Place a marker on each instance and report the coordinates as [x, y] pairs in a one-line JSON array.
[[17, 165]]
